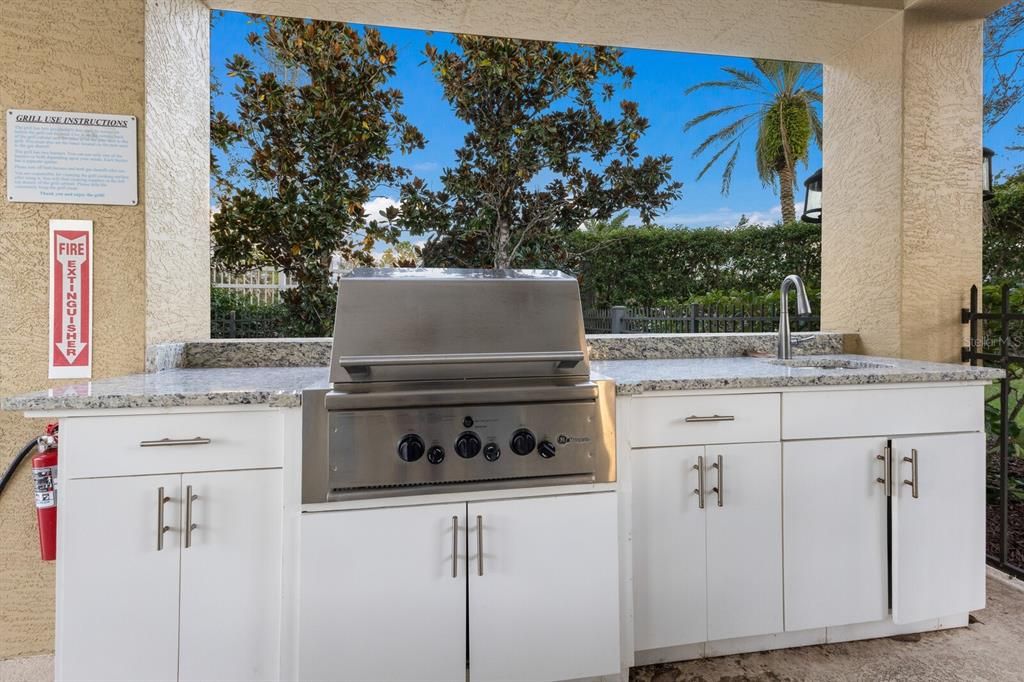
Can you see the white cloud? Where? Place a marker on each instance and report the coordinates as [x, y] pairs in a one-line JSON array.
[[374, 206], [721, 217]]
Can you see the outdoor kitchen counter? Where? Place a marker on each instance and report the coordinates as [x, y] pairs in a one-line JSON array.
[[688, 374], [270, 386]]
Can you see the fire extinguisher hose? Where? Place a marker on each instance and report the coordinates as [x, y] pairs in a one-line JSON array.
[[18, 459]]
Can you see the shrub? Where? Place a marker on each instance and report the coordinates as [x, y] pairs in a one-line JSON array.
[[645, 266]]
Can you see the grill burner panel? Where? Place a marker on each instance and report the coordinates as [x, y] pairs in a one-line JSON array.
[[367, 443]]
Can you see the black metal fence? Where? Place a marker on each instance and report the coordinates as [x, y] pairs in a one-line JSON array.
[[252, 323], [997, 339], [692, 319]]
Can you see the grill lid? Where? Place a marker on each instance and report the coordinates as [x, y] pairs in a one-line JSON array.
[[403, 324]]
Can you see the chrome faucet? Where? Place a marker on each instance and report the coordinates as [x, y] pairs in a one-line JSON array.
[[803, 307]]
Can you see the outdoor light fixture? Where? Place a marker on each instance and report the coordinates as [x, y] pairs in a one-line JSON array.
[[812, 200], [986, 173]]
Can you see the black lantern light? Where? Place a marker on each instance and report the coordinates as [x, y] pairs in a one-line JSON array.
[[986, 173], [812, 200]]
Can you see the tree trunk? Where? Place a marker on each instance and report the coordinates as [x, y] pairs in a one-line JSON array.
[[786, 171], [502, 244], [786, 180]]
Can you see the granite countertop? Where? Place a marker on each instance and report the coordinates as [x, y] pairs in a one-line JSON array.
[[688, 374], [270, 386], [283, 386]]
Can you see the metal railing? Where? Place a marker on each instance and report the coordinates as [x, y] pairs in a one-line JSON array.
[[997, 339], [692, 319]]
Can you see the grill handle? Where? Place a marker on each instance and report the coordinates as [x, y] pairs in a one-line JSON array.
[[566, 359]]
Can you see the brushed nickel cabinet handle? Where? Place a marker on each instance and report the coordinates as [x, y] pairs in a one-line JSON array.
[[699, 490], [189, 526], [913, 473], [479, 545], [161, 500], [164, 442], [886, 459], [718, 489], [455, 546], [693, 418]]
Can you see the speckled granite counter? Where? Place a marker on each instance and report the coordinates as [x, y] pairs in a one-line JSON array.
[[282, 386], [317, 351], [640, 376], [271, 386]]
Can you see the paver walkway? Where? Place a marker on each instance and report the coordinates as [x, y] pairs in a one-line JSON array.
[[990, 649]]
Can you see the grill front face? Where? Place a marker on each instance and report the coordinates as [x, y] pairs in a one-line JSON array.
[[364, 445], [456, 380]]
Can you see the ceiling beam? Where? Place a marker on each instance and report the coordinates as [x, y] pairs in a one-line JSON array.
[[802, 30]]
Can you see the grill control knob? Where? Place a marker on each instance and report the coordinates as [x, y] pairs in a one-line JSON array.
[[492, 452], [411, 447], [467, 445], [546, 449], [435, 455], [522, 442]]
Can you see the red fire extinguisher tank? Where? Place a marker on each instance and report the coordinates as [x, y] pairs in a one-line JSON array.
[[44, 478]]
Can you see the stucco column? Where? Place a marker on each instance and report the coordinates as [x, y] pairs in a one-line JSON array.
[[901, 238], [177, 170]]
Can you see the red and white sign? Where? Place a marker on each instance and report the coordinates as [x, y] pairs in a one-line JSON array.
[[70, 299]]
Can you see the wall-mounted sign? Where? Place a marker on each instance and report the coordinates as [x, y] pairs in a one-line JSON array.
[[57, 157], [70, 347]]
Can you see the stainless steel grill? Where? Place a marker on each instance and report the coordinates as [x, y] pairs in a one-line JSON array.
[[454, 380]]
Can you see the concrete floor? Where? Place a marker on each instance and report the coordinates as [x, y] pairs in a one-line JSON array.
[[991, 649]]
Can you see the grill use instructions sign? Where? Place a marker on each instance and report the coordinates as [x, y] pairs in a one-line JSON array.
[[71, 158], [70, 348]]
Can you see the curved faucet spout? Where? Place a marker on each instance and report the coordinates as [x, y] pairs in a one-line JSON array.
[[803, 307]]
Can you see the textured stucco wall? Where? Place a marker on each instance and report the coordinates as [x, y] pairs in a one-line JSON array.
[[901, 241], [69, 55], [177, 170], [942, 215], [806, 30], [860, 236]]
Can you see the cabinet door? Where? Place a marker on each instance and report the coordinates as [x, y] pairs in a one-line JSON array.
[[835, 532], [231, 577], [744, 540], [938, 538], [379, 600], [544, 592], [669, 562], [117, 593]]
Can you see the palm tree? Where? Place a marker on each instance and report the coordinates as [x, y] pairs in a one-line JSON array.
[[782, 108]]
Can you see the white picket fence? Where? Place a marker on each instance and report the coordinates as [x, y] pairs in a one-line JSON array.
[[259, 286]]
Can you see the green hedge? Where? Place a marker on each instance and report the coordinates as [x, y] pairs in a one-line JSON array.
[[655, 265]]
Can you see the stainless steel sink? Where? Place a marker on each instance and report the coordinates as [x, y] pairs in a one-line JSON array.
[[828, 363]]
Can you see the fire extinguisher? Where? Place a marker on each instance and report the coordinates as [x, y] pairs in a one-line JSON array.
[[44, 479]]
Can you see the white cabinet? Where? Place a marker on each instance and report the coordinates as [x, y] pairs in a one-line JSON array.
[[231, 577], [543, 588], [669, 549], [834, 515], [711, 573], [744, 540], [134, 603], [117, 616], [381, 600], [938, 535]]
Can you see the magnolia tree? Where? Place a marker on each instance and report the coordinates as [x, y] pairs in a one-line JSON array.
[[540, 158], [311, 141]]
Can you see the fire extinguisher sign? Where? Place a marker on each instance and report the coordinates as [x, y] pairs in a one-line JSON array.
[[70, 299]]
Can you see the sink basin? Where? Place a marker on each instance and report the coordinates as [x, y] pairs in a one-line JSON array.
[[828, 363]]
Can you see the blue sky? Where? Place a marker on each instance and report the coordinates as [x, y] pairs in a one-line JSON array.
[[659, 87]]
